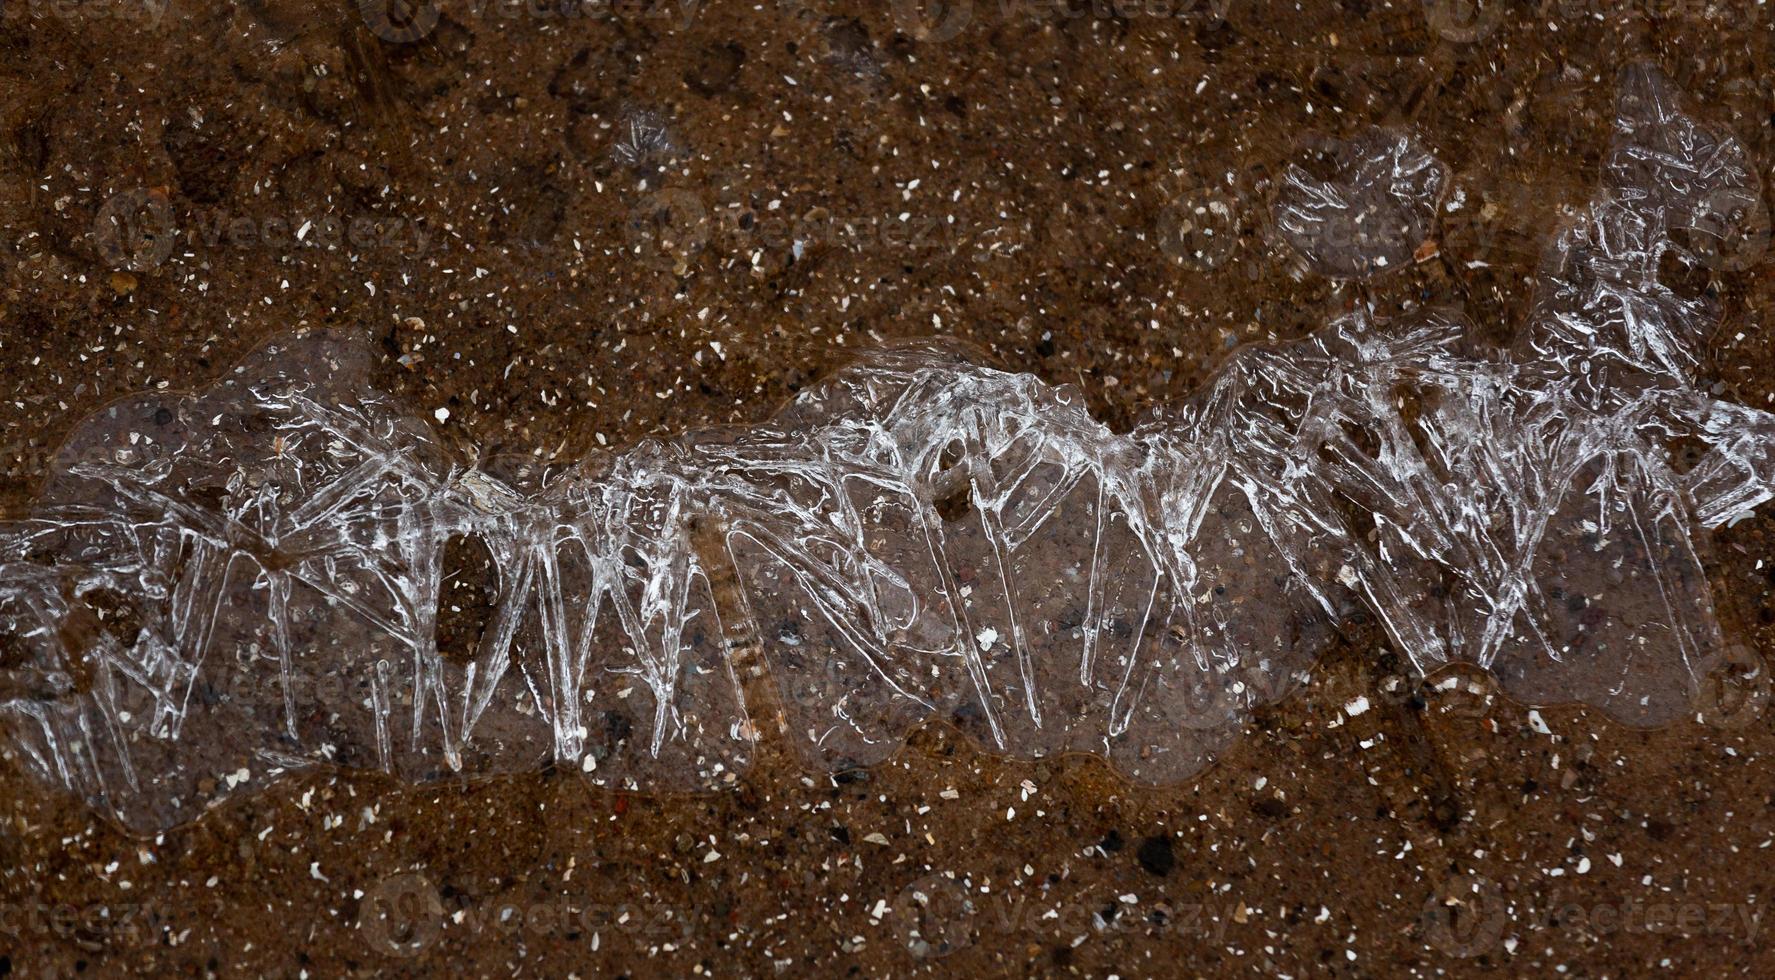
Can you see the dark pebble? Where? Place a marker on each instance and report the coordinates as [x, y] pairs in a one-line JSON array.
[[1155, 855], [1271, 807]]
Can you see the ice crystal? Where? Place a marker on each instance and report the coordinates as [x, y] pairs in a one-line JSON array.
[[249, 579]]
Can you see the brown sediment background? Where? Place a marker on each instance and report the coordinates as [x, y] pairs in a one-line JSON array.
[[571, 227]]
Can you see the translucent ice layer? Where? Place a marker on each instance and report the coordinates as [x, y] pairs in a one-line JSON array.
[[1373, 205], [284, 570]]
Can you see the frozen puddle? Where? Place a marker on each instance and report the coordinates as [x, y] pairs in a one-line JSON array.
[[250, 579]]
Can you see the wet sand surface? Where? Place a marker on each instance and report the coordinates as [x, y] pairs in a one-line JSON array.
[[573, 228]]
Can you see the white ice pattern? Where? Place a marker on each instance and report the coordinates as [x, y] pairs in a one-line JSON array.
[[245, 580]]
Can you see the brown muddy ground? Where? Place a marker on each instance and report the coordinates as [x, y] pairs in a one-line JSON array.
[[578, 230]]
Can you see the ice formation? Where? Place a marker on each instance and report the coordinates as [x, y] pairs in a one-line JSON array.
[[250, 579], [1375, 202]]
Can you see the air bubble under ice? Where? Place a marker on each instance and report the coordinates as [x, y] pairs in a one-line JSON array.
[[284, 570]]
